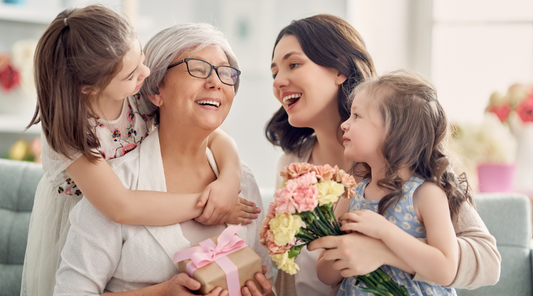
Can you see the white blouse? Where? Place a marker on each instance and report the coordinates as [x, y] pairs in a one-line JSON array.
[[102, 256]]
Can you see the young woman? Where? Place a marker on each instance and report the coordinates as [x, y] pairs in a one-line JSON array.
[[316, 63]]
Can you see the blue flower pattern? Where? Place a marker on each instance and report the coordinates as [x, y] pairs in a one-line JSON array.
[[402, 215]]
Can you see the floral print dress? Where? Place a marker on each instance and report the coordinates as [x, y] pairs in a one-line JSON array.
[[117, 138], [404, 216]]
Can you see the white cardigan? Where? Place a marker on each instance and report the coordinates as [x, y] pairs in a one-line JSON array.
[[102, 256]]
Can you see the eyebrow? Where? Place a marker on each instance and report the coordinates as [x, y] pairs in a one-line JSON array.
[[142, 52], [288, 55]]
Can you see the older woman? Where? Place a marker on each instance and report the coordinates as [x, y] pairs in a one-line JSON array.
[[194, 78]]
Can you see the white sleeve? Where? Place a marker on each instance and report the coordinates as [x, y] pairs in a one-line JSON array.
[[91, 253]]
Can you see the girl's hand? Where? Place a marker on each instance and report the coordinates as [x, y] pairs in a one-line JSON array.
[[366, 222], [221, 197], [251, 289], [244, 212], [353, 254]]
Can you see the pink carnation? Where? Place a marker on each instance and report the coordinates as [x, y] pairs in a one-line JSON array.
[[297, 195], [271, 208], [265, 227], [284, 201], [306, 198], [295, 169], [325, 172], [348, 182]]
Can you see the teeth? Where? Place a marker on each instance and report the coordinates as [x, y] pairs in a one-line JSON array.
[[206, 102], [289, 99]]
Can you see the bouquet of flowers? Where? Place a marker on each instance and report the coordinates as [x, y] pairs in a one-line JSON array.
[[302, 211]]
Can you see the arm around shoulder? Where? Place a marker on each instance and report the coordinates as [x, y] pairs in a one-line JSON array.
[[479, 259]]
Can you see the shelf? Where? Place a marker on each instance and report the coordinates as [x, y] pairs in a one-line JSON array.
[[21, 13], [14, 124]]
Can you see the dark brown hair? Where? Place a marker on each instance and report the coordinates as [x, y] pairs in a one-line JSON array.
[[331, 42], [81, 48], [416, 137]]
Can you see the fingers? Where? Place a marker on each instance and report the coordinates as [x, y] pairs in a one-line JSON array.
[[350, 227], [326, 242], [350, 217], [218, 292], [186, 281], [264, 269], [203, 197], [263, 281]]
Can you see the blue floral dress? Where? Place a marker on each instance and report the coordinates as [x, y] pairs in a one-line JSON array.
[[403, 215]]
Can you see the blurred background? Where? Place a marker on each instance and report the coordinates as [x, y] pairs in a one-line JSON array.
[[473, 51]]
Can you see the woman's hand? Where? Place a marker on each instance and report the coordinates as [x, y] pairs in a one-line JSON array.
[[353, 254], [244, 212], [251, 289], [182, 285], [219, 199]]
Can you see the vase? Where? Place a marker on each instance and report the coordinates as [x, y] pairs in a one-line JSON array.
[[496, 177], [524, 159]]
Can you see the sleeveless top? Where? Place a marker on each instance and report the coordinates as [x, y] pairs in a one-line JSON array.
[[402, 215]]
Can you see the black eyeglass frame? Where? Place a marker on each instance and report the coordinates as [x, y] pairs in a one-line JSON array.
[[210, 70]]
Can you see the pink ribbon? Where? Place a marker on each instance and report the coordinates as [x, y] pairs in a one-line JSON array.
[[208, 252]]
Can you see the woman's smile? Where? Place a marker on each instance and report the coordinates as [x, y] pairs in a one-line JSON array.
[[209, 103], [290, 98]]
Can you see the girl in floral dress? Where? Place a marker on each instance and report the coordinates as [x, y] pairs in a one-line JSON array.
[[89, 67], [397, 134]]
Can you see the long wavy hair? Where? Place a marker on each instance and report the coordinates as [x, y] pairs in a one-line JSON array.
[[331, 42], [416, 137], [82, 47]]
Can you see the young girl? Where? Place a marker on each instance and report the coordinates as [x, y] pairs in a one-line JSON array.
[[89, 65], [397, 135], [316, 63]]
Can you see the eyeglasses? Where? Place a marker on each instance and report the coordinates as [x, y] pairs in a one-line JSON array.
[[202, 69]]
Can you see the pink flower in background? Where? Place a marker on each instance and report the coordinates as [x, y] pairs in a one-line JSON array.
[[525, 109], [501, 111], [9, 76]]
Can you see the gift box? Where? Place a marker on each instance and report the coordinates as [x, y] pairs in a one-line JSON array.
[[224, 261]]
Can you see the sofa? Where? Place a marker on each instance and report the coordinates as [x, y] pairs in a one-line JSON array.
[[507, 216], [18, 181]]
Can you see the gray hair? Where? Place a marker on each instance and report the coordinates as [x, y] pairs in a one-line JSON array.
[[165, 46]]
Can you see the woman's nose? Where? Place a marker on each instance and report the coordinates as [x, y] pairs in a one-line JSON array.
[[212, 81], [280, 81]]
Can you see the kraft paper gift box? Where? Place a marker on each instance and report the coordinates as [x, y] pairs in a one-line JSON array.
[[208, 254]]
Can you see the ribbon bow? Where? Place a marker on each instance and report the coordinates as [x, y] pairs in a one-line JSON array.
[[208, 252]]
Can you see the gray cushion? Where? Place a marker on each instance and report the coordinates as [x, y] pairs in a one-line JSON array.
[[18, 181], [508, 218]]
